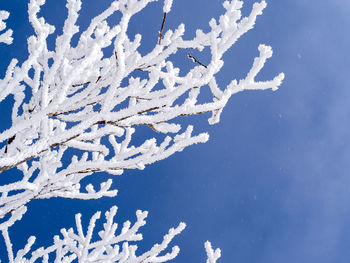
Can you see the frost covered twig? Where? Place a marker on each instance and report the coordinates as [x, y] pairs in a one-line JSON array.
[[212, 255], [5, 37]]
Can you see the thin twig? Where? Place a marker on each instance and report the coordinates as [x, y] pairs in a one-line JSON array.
[[86, 83], [116, 59], [70, 111], [80, 84], [195, 60], [140, 98], [143, 68], [161, 29], [8, 244], [9, 141]]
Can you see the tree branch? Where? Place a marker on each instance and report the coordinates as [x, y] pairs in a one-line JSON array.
[[161, 29]]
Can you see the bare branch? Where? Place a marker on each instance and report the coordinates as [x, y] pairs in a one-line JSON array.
[[195, 60], [161, 29]]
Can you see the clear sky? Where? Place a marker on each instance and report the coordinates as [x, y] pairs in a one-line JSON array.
[[272, 184]]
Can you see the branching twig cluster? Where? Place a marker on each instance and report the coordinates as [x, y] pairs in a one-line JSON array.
[[84, 100]]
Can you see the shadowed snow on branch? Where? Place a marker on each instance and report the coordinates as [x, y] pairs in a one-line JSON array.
[[81, 98]]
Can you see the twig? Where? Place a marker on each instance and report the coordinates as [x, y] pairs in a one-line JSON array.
[[80, 84], [85, 83], [9, 141], [8, 244], [116, 59], [161, 29], [143, 68], [195, 60], [140, 98]]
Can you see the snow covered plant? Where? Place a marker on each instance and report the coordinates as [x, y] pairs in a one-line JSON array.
[[85, 103], [7, 36], [80, 246]]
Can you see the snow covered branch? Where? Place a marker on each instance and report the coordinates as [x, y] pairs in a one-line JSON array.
[[109, 245], [212, 255], [83, 103], [5, 37]]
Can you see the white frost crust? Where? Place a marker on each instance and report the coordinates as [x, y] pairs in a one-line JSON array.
[[212, 255], [5, 37], [167, 6]]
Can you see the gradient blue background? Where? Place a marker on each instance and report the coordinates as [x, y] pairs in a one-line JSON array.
[[272, 184]]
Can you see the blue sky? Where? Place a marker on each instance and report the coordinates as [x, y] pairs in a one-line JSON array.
[[272, 184]]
